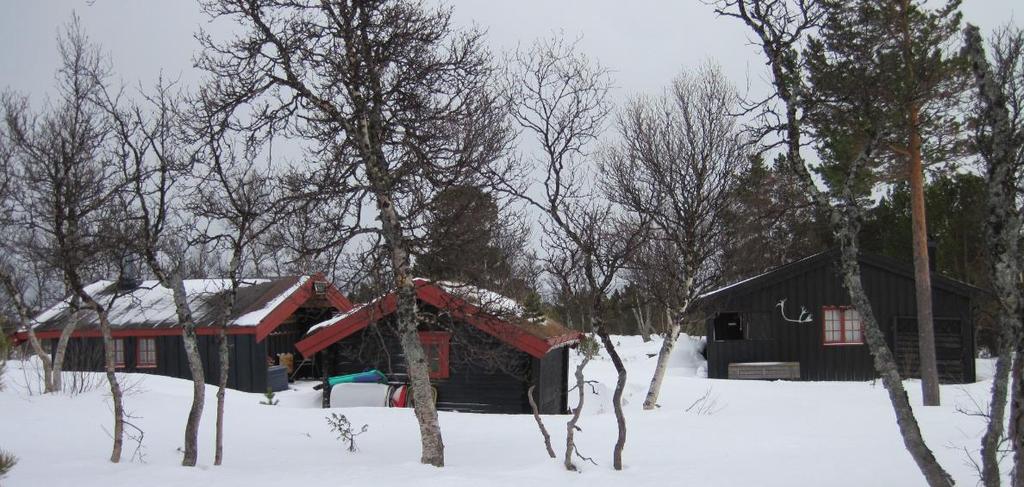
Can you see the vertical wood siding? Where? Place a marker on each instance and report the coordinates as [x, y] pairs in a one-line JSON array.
[[813, 285]]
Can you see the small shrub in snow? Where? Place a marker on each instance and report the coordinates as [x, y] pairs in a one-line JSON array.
[[346, 434], [269, 401], [7, 462]]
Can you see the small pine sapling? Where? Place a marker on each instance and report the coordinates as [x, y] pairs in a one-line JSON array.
[[7, 462], [346, 434], [270, 401]]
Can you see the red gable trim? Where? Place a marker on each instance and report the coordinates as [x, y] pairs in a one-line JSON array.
[[500, 329], [352, 323], [287, 307], [433, 295]]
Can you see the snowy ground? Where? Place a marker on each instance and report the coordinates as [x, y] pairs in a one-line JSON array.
[[746, 433]]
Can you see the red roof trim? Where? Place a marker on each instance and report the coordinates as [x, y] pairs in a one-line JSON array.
[[352, 323], [299, 297], [434, 295]]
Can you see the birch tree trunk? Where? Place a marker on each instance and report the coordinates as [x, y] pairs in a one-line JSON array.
[[224, 355], [885, 364], [540, 422], [1003, 226], [667, 345], [415, 358], [25, 316], [44, 357], [109, 368], [620, 385], [570, 426], [1017, 418], [195, 366], [990, 441], [62, 347]]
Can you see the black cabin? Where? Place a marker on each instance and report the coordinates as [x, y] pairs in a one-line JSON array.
[[797, 322], [484, 356], [269, 316]]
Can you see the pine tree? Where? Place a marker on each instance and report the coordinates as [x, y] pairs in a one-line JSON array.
[[883, 68]]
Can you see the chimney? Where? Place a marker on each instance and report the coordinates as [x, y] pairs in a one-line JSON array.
[[933, 250], [129, 278]]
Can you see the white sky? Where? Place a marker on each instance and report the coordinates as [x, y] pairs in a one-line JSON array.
[[646, 42]]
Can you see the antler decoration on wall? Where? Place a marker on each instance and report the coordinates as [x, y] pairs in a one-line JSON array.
[[805, 317]]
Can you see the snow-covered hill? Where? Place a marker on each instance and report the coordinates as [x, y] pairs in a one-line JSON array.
[[742, 433]]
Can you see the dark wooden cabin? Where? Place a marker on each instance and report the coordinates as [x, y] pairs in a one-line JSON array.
[[484, 355], [815, 334], [268, 318]]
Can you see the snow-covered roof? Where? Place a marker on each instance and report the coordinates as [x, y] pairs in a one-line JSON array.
[[151, 305], [492, 312]]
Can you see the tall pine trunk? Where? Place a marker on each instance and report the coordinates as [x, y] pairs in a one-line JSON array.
[[922, 275], [919, 228]]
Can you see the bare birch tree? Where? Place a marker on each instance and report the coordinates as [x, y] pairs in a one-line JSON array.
[[780, 28], [679, 157], [15, 275], [559, 98], [69, 189], [396, 104], [1000, 141], [153, 157], [241, 200]]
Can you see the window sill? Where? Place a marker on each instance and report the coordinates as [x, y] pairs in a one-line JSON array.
[[851, 344], [145, 366]]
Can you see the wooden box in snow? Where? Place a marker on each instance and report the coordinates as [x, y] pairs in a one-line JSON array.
[[765, 370]]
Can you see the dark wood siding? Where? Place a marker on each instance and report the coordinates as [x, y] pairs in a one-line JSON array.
[[485, 375], [248, 370], [550, 375], [812, 285]]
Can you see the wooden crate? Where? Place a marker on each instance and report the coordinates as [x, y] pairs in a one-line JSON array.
[[764, 370]]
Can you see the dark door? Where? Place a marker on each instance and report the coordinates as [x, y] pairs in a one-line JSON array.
[[948, 349]]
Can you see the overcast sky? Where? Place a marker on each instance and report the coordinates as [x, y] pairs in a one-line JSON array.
[[646, 42]]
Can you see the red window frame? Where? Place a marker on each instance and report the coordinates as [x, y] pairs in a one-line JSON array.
[[145, 359], [118, 353], [436, 343], [842, 312]]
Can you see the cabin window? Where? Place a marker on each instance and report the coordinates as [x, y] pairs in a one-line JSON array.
[[435, 346], [729, 326], [842, 326], [146, 351], [118, 352]]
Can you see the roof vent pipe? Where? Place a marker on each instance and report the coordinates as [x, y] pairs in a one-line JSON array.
[[129, 278]]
